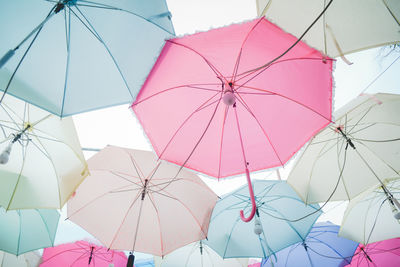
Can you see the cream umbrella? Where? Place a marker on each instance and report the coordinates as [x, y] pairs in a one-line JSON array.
[[197, 254], [30, 259], [133, 201], [372, 216], [347, 26], [358, 151], [41, 160]]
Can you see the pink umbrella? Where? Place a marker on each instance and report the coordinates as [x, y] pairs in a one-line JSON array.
[[209, 106], [383, 253], [82, 253]]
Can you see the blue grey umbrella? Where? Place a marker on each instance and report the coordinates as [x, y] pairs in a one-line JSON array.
[[276, 224], [322, 247], [72, 56]]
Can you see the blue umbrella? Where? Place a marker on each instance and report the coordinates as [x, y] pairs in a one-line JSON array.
[[322, 247], [276, 224], [26, 230], [79, 55]]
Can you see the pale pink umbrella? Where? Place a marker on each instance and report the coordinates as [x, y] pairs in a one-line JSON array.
[[383, 253], [235, 99], [82, 254], [133, 201]]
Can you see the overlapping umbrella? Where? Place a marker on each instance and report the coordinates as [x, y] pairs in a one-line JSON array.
[[322, 247], [274, 226], [337, 32], [41, 159], [132, 201], [197, 254], [383, 253], [79, 55], [355, 153], [29, 259], [235, 99], [82, 254], [371, 216], [26, 230]]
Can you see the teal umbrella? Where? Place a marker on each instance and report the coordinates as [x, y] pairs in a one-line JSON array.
[[281, 220], [26, 230], [79, 55]]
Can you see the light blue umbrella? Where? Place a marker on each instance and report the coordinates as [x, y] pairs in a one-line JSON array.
[[78, 55], [26, 230], [322, 247], [278, 221]]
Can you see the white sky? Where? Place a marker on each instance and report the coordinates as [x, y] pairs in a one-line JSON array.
[[118, 126]]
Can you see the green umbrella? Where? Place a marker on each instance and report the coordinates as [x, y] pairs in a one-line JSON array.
[[26, 230]]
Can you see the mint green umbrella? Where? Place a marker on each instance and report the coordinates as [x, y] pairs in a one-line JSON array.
[[26, 230]]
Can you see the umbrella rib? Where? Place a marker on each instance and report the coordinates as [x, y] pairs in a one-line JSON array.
[[126, 215], [362, 117], [341, 169], [47, 227], [192, 86], [168, 194], [201, 107], [332, 248], [96, 198], [391, 12], [3, 106], [288, 98], [259, 124], [19, 232], [159, 222], [19, 177], [230, 234], [222, 138], [68, 44], [93, 31], [59, 253], [103, 6], [241, 48], [212, 67], [79, 258]]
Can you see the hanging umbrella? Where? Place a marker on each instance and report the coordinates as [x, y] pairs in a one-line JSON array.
[[30, 259], [41, 158], [369, 216], [322, 247], [132, 201], [337, 32], [79, 55], [26, 230], [82, 254], [202, 109], [230, 237], [197, 254], [359, 150], [384, 253]]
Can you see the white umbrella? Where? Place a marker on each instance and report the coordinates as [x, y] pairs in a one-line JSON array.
[[360, 150], [30, 259], [41, 159], [347, 26], [369, 217], [197, 254]]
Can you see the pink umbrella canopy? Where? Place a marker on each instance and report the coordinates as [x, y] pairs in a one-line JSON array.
[[82, 254], [383, 253], [234, 100]]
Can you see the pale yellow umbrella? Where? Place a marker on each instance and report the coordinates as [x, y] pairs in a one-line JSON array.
[[347, 26], [41, 159]]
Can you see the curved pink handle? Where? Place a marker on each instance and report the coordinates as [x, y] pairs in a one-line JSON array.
[[253, 201]]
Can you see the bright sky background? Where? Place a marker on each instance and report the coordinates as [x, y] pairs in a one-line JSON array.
[[118, 126]]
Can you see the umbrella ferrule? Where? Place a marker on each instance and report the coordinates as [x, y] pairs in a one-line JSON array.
[[59, 7], [144, 188], [348, 140], [91, 254], [305, 246], [19, 135]]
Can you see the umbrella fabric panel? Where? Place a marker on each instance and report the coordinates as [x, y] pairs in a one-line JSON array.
[[370, 121], [88, 62], [324, 248], [197, 89], [230, 237], [27, 230], [337, 32], [369, 216], [384, 253], [154, 223], [78, 254], [48, 152]]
